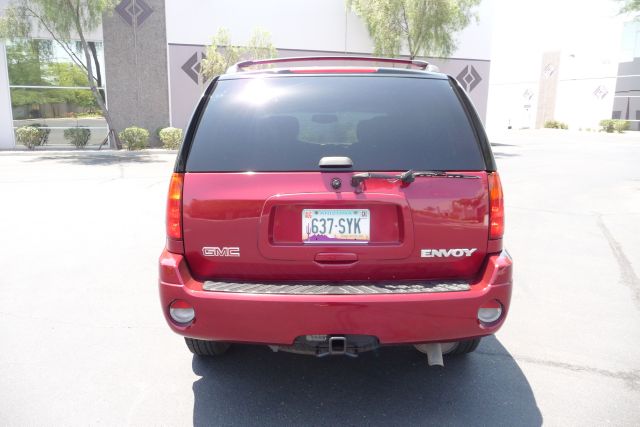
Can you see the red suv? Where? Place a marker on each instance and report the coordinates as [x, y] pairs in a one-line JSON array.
[[332, 210]]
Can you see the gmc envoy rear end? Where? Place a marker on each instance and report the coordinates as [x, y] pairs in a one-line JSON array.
[[334, 209]]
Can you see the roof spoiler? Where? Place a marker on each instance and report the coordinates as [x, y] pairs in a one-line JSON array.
[[240, 66]]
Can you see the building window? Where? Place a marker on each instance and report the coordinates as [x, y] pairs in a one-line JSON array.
[[49, 90]]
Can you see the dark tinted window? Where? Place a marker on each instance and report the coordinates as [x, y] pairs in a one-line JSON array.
[[290, 123]]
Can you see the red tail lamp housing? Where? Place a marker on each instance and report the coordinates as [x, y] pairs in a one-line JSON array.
[[174, 213], [496, 207]]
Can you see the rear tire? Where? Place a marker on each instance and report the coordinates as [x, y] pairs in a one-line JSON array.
[[206, 348], [465, 347]]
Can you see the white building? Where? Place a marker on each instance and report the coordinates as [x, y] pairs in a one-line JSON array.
[[298, 28]]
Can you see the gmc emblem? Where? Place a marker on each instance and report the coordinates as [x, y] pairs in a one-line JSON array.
[[216, 251]]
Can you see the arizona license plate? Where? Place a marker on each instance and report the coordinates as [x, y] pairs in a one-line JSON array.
[[335, 225]]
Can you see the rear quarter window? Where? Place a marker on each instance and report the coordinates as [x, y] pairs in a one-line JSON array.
[[288, 123]]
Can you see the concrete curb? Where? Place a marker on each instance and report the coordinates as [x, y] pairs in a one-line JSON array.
[[107, 152]]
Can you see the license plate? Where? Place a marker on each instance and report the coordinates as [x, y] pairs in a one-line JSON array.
[[335, 225]]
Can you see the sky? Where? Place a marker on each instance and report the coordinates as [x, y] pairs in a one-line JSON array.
[[523, 30]]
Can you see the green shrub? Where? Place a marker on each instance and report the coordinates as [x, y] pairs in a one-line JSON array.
[[171, 138], [613, 125], [607, 125], [135, 138], [79, 137], [29, 136], [555, 124], [44, 132], [621, 125]]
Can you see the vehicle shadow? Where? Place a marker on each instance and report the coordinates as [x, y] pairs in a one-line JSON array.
[[252, 385]]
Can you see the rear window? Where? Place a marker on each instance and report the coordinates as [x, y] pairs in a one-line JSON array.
[[289, 123]]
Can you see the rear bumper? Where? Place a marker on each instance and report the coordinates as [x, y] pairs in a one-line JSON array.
[[279, 319]]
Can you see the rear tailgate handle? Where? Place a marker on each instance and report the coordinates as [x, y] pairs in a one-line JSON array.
[[336, 258]]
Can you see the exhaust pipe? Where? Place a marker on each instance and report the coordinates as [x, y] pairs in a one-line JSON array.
[[433, 352]]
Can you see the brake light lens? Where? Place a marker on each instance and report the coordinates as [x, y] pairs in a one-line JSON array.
[[321, 70], [496, 207], [174, 207]]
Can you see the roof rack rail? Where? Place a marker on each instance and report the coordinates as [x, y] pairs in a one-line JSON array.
[[240, 66]]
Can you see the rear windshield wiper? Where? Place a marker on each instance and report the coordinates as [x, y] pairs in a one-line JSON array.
[[406, 177]]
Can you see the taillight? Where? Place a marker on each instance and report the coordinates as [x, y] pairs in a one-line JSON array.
[[496, 207], [174, 207]]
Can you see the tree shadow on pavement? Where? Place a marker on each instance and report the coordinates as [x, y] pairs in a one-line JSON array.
[[392, 386], [106, 159]]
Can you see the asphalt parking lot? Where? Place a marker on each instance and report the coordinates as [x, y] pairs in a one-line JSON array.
[[83, 341]]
